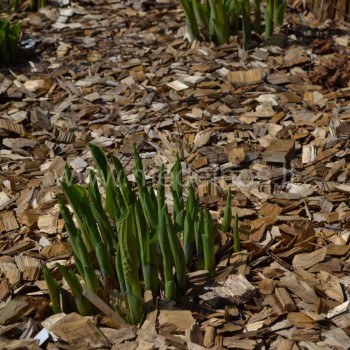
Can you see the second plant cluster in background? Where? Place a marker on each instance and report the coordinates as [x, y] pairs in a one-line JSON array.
[[223, 18]]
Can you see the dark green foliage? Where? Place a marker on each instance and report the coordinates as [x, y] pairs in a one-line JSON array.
[[9, 39], [35, 5]]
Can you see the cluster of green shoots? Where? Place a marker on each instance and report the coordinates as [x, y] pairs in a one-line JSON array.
[[34, 5], [130, 242], [9, 38], [223, 18]]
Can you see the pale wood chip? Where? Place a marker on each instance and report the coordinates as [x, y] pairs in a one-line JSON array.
[[79, 332], [246, 77], [331, 286], [13, 311], [177, 85], [307, 260], [182, 319]]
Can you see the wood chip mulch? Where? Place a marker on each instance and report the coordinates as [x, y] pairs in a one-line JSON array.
[[272, 124]]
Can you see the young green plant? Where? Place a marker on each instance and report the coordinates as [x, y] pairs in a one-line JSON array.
[[247, 31], [278, 12], [208, 239], [170, 289], [35, 5], [257, 16], [80, 251], [177, 193], [201, 11], [226, 221], [192, 207], [233, 12], [274, 16], [9, 39], [219, 29], [198, 230], [191, 20], [130, 262], [83, 305], [15, 5], [93, 235], [54, 290]]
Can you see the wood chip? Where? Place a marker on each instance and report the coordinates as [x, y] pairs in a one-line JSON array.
[[248, 77], [13, 311], [307, 260], [181, 319], [299, 288], [79, 332]]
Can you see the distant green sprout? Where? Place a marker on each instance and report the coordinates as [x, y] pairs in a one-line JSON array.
[[9, 39], [192, 212], [15, 5], [274, 15], [35, 5], [226, 224]]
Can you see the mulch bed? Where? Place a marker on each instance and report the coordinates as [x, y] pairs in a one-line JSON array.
[[272, 124]]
